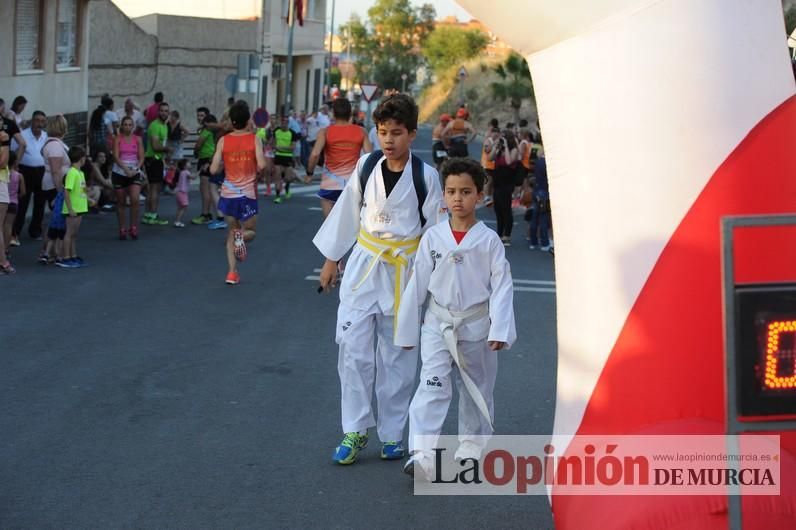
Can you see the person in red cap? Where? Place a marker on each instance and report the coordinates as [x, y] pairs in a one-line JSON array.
[[458, 133], [438, 150]]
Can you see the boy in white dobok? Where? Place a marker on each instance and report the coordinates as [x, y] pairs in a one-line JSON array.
[[461, 268], [387, 202]]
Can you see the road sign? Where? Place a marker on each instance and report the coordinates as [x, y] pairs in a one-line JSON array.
[[462, 74], [368, 91]]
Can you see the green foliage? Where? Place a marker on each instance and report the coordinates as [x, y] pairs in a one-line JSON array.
[[472, 94], [388, 44], [447, 46], [790, 19], [336, 75], [515, 82]]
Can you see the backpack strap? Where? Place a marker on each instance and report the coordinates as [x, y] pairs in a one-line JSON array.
[[420, 187], [417, 179]]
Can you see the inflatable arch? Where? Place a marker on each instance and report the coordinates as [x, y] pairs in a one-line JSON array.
[[659, 117]]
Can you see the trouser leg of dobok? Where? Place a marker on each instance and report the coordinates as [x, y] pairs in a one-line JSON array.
[[481, 365], [356, 367], [395, 377], [433, 396]]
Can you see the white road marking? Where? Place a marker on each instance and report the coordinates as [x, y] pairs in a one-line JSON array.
[[534, 289], [312, 278], [535, 282], [315, 208]]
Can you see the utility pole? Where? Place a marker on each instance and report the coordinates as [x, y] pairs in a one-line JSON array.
[[291, 20], [331, 47]]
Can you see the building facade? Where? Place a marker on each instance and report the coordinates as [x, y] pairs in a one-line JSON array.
[[195, 61], [309, 55], [45, 58]]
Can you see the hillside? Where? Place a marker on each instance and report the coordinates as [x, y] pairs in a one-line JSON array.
[[443, 95]]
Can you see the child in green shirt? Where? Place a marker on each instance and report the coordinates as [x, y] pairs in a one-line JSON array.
[[75, 206]]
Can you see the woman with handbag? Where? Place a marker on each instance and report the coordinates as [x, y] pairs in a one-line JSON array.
[[505, 154]]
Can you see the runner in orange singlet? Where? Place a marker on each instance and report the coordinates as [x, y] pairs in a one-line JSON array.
[[241, 152], [342, 145]]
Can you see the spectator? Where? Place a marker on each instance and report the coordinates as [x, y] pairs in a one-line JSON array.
[[17, 108], [305, 146], [139, 121], [151, 112], [156, 152], [99, 186], [323, 117], [540, 215], [75, 206], [177, 133], [5, 177], [505, 154], [181, 194], [16, 189], [9, 125], [111, 121], [31, 165], [56, 161], [203, 151], [127, 177]]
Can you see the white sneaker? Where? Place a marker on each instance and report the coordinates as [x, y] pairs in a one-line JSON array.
[[546, 248], [468, 449], [179, 224], [420, 466]]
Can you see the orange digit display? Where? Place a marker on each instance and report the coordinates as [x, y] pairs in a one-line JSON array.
[[776, 356]]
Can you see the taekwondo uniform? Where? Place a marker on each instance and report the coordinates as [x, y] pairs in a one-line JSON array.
[[471, 302], [386, 231]]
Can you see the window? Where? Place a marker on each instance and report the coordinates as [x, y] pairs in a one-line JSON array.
[[28, 28], [67, 44]]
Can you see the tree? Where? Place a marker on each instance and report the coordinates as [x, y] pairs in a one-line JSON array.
[[447, 46], [515, 84], [389, 44]]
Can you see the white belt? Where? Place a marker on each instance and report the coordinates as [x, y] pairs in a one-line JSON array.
[[450, 322]]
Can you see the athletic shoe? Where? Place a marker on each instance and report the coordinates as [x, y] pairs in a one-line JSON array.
[[14, 242], [239, 245], [278, 200], [218, 224], [532, 247], [346, 453], [201, 219], [392, 451], [148, 219], [7, 268], [66, 264], [288, 195], [157, 220], [179, 224], [43, 259], [233, 278], [546, 248]]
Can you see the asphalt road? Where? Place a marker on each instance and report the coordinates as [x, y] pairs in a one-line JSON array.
[[143, 392]]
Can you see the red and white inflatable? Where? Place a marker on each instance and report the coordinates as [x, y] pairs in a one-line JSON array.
[[659, 117]]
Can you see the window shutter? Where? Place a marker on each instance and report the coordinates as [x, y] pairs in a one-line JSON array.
[[66, 34], [27, 35]]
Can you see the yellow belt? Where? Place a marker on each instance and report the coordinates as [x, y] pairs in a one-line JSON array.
[[390, 251]]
